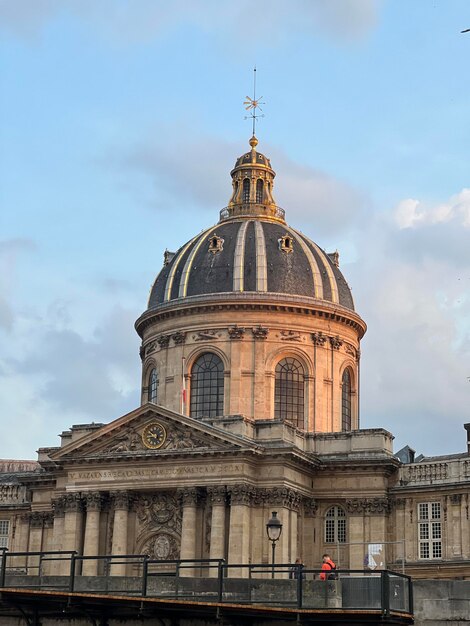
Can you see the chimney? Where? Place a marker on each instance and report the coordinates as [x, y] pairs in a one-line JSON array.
[[467, 428]]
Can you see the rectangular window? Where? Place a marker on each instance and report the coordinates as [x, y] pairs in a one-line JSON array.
[[4, 532], [430, 530]]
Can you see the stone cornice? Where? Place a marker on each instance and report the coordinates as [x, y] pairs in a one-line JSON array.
[[251, 301]]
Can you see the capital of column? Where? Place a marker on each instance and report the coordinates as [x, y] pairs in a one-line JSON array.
[[40, 519], [94, 501], [58, 507], [241, 494], [310, 507], [372, 506], [189, 496], [121, 500], [217, 495], [283, 496], [73, 503]]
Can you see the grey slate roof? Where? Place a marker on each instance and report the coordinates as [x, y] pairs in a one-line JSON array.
[[251, 260]]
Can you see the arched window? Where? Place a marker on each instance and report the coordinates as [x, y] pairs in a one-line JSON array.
[[289, 391], [346, 400], [207, 386], [246, 190], [335, 525], [259, 191], [153, 386]]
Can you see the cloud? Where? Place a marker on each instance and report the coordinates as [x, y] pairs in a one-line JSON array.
[[316, 199], [412, 286], [413, 214], [181, 173], [142, 21]]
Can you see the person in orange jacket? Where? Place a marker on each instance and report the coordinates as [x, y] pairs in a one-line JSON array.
[[327, 566]]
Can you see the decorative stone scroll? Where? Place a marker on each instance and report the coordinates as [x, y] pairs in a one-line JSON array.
[[235, 332], [205, 335], [290, 335], [260, 332], [372, 506]]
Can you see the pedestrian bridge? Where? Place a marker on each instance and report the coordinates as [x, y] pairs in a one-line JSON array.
[[55, 586]]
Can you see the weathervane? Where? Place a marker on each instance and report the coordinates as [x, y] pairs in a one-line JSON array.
[[253, 104]]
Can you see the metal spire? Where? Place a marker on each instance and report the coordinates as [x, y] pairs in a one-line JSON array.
[[253, 104]]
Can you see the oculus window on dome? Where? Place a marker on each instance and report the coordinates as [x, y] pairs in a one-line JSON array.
[[207, 386], [289, 391]]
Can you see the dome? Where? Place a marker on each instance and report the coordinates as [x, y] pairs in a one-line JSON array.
[[251, 250], [251, 255]]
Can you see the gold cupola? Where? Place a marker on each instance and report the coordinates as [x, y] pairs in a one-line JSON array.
[[252, 182]]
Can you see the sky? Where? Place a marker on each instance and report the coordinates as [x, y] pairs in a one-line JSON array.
[[120, 122]]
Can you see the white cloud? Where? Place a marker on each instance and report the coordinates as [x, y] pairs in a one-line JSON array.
[[411, 213], [412, 286]]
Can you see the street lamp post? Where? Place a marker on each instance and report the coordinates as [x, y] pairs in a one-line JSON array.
[[274, 530]]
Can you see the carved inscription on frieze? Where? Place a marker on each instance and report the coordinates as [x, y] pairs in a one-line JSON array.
[[152, 473]]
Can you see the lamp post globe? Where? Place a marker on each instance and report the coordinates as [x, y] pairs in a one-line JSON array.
[[274, 530]]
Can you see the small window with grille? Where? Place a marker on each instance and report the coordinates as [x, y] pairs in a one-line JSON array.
[[430, 530], [4, 532], [335, 525], [289, 386]]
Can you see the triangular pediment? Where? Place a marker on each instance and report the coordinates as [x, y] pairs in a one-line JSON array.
[[151, 430]]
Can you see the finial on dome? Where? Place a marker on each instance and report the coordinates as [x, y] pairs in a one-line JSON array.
[[253, 104], [253, 142]]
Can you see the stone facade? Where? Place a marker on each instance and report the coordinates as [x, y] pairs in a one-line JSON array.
[[165, 482]]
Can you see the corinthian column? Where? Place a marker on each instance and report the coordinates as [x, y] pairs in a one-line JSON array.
[[91, 544], [121, 515], [218, 497], [239, 532], [189, 500], [58, 508], [72, 528]]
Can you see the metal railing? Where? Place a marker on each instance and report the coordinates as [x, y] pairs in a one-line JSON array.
[[209, 580]]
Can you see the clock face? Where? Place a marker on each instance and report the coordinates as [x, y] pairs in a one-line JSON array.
[[154, 435]]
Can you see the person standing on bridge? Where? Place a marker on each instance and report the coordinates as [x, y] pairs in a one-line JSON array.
[[328, 566]]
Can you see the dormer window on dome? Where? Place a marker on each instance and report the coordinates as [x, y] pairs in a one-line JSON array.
[[216, 244], [286, 243]]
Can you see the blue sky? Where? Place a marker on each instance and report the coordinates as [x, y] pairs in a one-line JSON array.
[[120, 122]]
